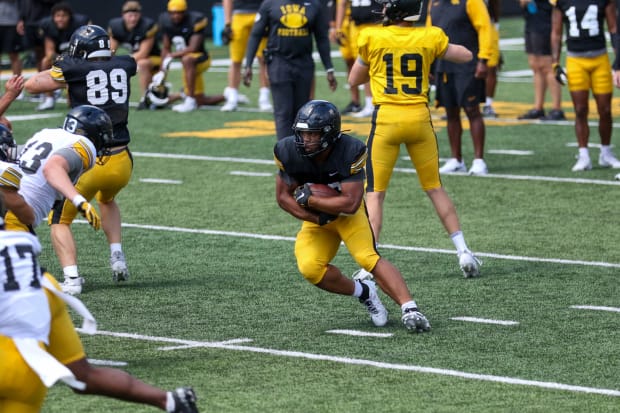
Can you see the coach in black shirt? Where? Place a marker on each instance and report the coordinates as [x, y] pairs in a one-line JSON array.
[[290, 25]]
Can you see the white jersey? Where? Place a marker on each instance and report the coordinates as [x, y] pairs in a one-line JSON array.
[[35, 189], [24, 310]]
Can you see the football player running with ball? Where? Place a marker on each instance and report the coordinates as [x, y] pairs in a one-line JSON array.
[[319, 152]]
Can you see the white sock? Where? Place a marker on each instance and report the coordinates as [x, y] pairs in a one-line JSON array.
[[585, 153], [71, 271], [358, 289], [407, 305], [115, 247], [489, 101], [605, 149], [459, 241], [263, 93], [368, 101], [170, 404]]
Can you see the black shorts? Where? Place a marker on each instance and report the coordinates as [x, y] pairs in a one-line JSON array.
[[10, 41], [460, 89], [537, 44]]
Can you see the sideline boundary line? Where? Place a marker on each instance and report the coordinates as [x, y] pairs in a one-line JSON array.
[[370, 363]]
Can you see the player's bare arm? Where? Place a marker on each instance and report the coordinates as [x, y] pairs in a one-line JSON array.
[[457, 53], [286, 201], [42, 82], [359, 73], [15, 203]]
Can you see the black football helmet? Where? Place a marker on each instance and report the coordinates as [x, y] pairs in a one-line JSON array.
[[8, 147], [401, 10], [92, 122], [89, 42], [317, 116]]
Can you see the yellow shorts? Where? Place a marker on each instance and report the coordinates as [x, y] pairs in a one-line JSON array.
[[585, 73], [12, 223], [241, 26], [393, 126], [347, 46], [203, 64], [103, 182], [65, 344], [316, 246], [21, 389]]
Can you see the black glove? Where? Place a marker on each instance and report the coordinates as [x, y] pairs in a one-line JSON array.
[[560, 74], [325, 218], [302, 194], [227, 34]]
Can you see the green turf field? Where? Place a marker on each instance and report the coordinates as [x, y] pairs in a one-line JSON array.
[[215, 300]]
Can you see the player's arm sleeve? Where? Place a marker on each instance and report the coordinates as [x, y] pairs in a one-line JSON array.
[[480, 19]]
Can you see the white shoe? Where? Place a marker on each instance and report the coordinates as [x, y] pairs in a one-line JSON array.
[[453, 165], [414, 320], [608, 160], [470, 265], [378, 313], [478, 167], [72, 285], [119, 267], [583, 164], [361, 275], [365, 112], [47, 104], [265, 106], [229, 106], [188, 105], [243, 99]]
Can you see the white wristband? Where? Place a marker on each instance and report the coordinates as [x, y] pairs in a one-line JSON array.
[[77, 200], [331, 70]]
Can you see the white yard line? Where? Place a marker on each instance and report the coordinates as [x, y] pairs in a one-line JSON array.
[[402, 170], [596, 308], [371, 363], [485, 321]]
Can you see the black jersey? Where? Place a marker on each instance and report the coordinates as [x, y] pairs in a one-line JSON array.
[[290, 25], [61, 38], [246, 6], [102, 83], [452, 17], [585, 24], [539, 22], [145, 29], [345, 162], [363, 12], [179, 34]]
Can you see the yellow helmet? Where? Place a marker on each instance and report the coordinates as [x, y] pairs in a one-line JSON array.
[[177, 5]]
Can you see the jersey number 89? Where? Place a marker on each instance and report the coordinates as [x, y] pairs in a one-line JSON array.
[[101, 88]]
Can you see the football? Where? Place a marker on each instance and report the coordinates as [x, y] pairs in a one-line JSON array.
[[323, 191]]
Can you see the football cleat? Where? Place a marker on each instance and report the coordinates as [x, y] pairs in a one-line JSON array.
[[378, 313], [608, 160], [72, 285], [453, 165], [532, 114], [470, 265], [583, 164], [478, 167], [488, 111], [47, 104], [365, 112], [415, 321], [119, 267], [189, 104], [184, 400]]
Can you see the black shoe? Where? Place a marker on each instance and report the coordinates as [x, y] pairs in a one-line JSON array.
[[533, 114], [142, 105], [184, 400], [555, 114], [352, 107]]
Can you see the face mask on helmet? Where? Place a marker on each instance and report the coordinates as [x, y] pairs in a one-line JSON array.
[[157, 96], [317, 116], [8, 147], [90, 42]]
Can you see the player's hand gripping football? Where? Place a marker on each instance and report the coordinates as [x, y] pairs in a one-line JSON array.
[[302, 195], [87, 211]]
